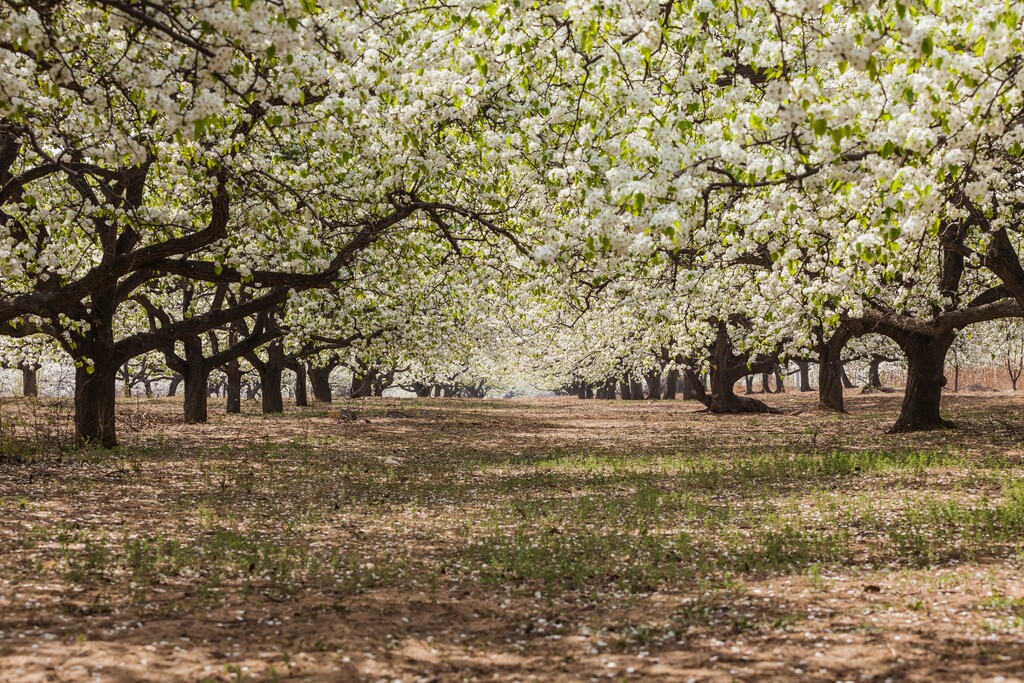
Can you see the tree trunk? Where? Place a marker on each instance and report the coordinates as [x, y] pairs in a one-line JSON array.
[[805, 374], [172, 388], [766, 387], [780, 380], [362, 384], [270, 380], [749, 381], [624, 389], [96, 384], [29, 381], [252, 390], [693, 387], [926, 363], [196, 378], [847, 383], [654, 385], [94, 404], [671, 384], [830, 364], [301, 399], [233, 391], [723, 378], [874, 377], [197, 382], [636, 390], [127, 388], [320, 379]]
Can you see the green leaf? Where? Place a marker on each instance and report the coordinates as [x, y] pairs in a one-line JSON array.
[[819, 126], [927, 45]]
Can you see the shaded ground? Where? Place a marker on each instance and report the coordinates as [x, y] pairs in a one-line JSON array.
[[446, 540]]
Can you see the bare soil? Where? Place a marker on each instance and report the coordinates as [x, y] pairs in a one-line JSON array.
[[549, 540]]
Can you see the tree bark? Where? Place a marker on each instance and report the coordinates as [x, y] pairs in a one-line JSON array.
[[96, 383], [804, 368], [874, 377], [725, 370], [671, 384], [847, 382], [320, 379], [233, 391], [196, 402], [625, 389], [270, 379], [830, 365], [362, 384], [926, 361], [172, 388], [197, 380], [94, 404], [29, 381], [301, 398], [636, 390], [654, 385], [693, 387], [127, 386]]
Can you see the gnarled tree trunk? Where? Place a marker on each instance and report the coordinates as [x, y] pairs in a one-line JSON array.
[[926, 363], [270, 379], [95, 402], [874, 377], [197, 379], [233, 390], [726, 369], [29, 380], [653, 384], [96, 377], [693, 387], [636, 390], [671, 384], [320, 380], [804, 374], [830, 370], [301, 398]]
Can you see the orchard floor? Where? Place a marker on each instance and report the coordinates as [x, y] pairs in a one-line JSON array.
[[449, 540]]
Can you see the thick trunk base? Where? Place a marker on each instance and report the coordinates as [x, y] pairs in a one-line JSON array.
[[29, 382], [731, 403], [196, 400], [233, 390], [301, 398], [926, 361], [320, 379], [830, 372], [95, 401], [270, 384]]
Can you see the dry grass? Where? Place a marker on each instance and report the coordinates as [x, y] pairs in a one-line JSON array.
[[555, 540]]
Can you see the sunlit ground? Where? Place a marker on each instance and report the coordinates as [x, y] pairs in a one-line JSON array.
[[548, 539]]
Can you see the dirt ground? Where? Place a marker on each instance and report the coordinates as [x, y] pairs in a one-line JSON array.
[[547, 540]]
